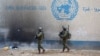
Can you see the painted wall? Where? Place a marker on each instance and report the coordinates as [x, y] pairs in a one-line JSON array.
[[30, 14]]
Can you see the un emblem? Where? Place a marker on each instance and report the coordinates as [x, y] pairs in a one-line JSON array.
[[64, 9]]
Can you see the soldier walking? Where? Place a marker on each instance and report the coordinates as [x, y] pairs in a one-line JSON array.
[[64, 36], [40, 37]]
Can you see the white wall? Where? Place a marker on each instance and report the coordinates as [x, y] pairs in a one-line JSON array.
[[85, 25]]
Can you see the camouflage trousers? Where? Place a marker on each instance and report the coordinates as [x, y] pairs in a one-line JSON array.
[[40, 46], [64, 45]]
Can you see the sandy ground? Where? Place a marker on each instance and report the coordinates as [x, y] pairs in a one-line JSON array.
[[51, 52]]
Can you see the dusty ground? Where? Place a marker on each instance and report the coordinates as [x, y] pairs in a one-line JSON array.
[[30, 52]]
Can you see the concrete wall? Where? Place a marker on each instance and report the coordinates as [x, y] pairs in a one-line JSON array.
[[30, 14]]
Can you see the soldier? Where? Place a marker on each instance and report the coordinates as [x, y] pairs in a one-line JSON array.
[[39, 37], [65, 35]]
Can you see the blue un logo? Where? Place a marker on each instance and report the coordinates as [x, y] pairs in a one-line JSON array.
[[64, 9]]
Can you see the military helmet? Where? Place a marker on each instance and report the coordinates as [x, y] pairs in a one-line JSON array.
[[40, 27], [64, 28]]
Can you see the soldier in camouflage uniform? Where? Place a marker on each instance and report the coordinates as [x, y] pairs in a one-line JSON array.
[[64, 35], [40, 36]]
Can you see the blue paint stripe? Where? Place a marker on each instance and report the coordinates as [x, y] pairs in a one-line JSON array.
[[76, 44], [56, 44]]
